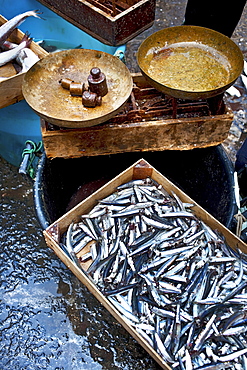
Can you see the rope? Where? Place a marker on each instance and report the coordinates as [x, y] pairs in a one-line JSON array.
[[35, 148], [240, 220]]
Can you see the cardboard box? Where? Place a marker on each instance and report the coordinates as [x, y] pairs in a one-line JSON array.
[[140, 170], [113, 25], [11, 88]]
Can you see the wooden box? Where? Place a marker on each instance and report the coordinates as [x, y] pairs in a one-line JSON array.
[[11, 88], [141, 169], [113, 22], [138, 130]]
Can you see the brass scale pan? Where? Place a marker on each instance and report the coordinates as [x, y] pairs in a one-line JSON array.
[[43, 92], [164, 47], [45, 95]]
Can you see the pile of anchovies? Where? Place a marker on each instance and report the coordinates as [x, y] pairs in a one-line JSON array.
[[172, 278]]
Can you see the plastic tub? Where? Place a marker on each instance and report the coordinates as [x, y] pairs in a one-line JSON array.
[[206, 175]]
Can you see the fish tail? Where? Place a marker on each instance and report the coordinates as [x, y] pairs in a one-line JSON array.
[[8, 27], [37, 14], [26, 38]]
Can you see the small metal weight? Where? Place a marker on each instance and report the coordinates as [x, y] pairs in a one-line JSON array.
[[90, 99], [76, 88], [97, 82], [65, 82]]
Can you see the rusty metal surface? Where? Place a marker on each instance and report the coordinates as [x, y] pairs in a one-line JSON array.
[[170, 36], [107, 21], [149, 121], [46, 96]]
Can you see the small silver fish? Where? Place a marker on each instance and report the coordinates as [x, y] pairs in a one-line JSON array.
[[8, 27], [179, 286], [233, 91], [245, 67], [244, 80], [7, 56], [26, 58], [8, 45], [232, 355]]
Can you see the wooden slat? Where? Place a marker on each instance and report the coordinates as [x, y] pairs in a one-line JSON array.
[[135, 134], [8, 70], [99, 19]]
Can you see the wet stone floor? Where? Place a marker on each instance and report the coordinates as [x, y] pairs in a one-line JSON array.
[[48, 319]]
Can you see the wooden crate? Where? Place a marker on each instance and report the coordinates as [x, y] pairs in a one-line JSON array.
[[11, 88], [132, 132], [113, 22], [140, 169]]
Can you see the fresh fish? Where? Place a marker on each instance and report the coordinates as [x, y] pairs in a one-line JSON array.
[[8, 45], [244, 81], [204, 333], [8, 27], [232, 355], [26, 58], [215, 366], [162, 349], [188, 361], [175, 280], [7, 56], [235, 330], [245, 67], [129, 315], [233, 91]]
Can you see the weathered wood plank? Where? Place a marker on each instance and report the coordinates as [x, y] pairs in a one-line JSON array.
[[101, 22], [11, 88], [132, 136]]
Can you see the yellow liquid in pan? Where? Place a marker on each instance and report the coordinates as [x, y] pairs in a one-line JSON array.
[[189, 67]]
